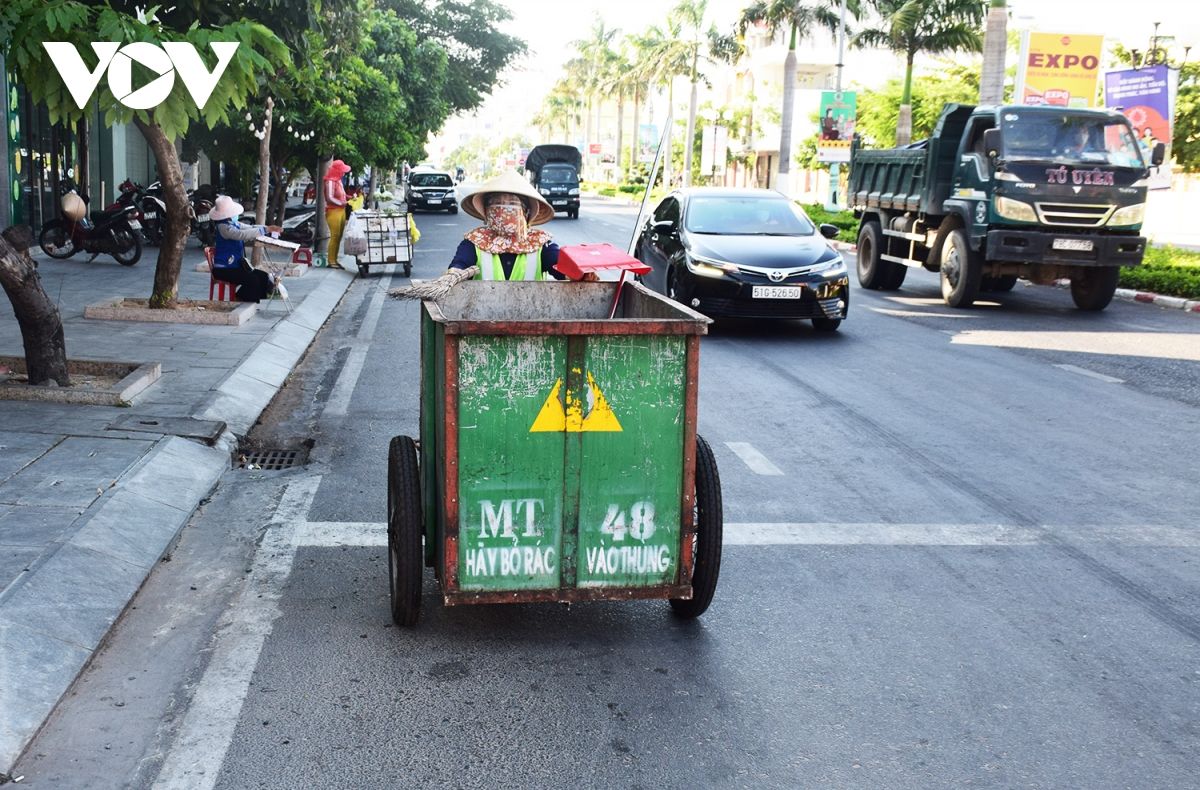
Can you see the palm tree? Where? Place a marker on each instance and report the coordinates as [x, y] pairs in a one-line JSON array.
[[699, 45], [799, 18], [933, 26], [666, 57], [596, 54], [995, 46]]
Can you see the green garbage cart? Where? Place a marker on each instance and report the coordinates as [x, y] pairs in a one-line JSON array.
[[558, 457]]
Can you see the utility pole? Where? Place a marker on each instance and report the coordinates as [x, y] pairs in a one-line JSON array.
[[834, 167]]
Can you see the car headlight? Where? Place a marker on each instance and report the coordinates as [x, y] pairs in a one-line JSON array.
[[1130, 215], [573, 191], [707, 267], [829, 267], [1015, 210], [544, 191]]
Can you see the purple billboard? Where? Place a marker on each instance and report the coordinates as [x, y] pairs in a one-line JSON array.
[[1146, 97]]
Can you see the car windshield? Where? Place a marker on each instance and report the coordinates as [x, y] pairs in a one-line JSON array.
[[746, 216], [1070, 139], [557, 175], [430, 180]]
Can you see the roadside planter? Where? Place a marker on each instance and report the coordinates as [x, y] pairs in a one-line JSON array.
[[558, 458]]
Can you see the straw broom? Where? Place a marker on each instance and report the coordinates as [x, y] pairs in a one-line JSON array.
[[435, 289]]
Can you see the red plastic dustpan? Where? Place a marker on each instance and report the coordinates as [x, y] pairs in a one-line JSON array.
[[576, 260]]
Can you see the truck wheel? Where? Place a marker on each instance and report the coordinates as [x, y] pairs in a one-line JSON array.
[[1093, 289], [895, 274], [406, 558], [870, 275], [1000, 284], [706, 547], [961, 270]]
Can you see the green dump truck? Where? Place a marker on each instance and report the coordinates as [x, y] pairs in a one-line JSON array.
[[1043, 193]]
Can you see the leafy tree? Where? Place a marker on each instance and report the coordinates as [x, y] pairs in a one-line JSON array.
[[878, 109], [799, 18], [25, 24], [910, 27]]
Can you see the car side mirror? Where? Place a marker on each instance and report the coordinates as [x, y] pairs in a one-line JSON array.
[[663, 226], [991, 143], [1159, 154], [829, 231]]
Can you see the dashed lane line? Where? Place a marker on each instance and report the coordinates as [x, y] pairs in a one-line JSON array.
[[343, 388], [1091, 374], [751, 457]]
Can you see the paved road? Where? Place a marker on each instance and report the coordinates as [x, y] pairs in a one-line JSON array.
[[962, 550]]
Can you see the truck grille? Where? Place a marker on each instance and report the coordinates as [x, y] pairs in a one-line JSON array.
[[1080, 215]]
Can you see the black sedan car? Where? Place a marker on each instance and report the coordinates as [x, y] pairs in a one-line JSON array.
[[431, 190], [744, 253]]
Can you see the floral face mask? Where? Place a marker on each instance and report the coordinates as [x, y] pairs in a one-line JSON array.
[[507, 220]]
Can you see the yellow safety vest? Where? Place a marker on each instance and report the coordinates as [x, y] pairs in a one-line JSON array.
[[528, 266]]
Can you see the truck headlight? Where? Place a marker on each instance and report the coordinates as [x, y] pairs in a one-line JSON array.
[[573, 191], [1015, 210], [707, 267], [1129, 215]]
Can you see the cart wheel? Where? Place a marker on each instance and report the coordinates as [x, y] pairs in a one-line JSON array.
[[706, 547], [408, 270], [363, 270], [405, 528]]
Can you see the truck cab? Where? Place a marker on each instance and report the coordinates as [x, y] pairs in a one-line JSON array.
[[997, 193], [554, 172]]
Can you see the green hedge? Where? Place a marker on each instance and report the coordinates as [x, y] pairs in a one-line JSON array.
[[845, 221], [1169, 271]]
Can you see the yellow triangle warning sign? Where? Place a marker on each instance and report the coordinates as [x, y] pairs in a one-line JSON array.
[[555, 418]]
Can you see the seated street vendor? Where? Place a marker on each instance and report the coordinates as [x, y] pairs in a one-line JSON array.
[[229, 254], [506, 247]]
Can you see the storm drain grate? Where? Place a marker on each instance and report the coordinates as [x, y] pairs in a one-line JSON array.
[[271, 459]]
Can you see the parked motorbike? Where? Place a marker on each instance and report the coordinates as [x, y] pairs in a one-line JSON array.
[[114, 232], [152, 209], [200, 203], [300, 227]]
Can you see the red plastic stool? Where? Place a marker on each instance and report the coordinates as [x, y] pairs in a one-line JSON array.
[[302, 255], [223, 289]]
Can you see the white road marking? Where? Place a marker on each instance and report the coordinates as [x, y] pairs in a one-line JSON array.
[[198, 751], [758, 463], [333, 534], [1091, 374], [343, 388]]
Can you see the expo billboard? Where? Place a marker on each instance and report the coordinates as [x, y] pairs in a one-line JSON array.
[[1058, 69]]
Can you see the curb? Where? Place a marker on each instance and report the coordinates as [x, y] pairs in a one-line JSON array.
[[91, 578]]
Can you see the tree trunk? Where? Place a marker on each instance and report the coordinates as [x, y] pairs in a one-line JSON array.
[[666, 165], [83, 171], [785, 121], [620, 132], [41, 326], [264, 178], [279, 204], [689, 144], [995, 47], [635, 145], [372, 185], [165, 294], [904, 116], [322, 234]]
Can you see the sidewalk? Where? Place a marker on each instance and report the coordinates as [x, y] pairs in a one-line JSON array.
[[92, 497]]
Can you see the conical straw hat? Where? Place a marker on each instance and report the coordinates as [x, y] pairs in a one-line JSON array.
[[513, 183]]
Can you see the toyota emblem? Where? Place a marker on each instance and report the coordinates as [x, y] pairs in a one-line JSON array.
[[776, 276]]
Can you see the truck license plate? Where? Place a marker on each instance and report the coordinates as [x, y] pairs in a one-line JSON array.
[[776, 292], [558, 202], [1078, 245]]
